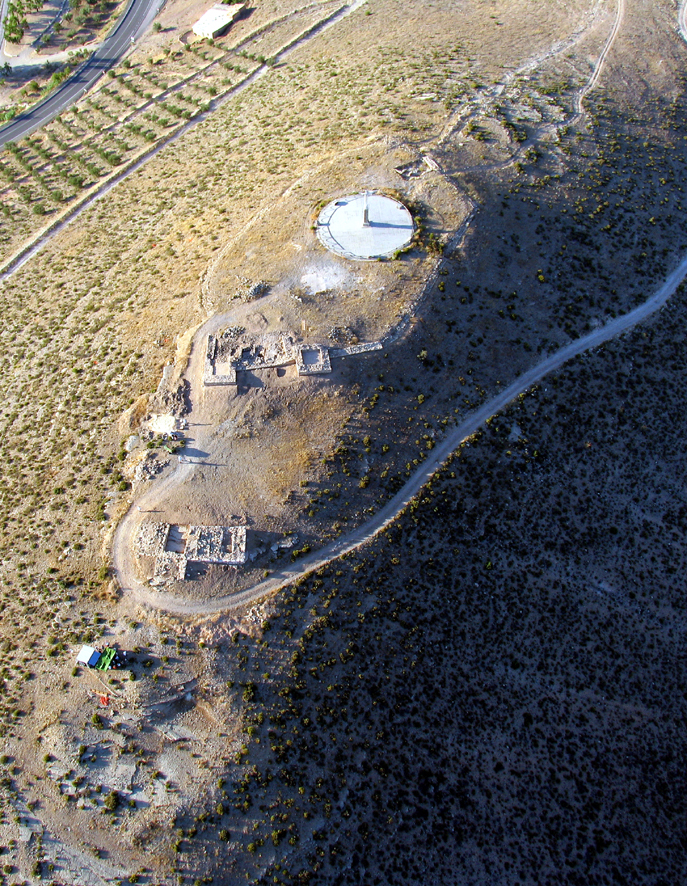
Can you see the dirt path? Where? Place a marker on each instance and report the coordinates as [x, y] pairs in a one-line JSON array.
[[463, 115], [596, 73], [128, 527], [126, 531], [26, 252], [388, 513], [202, 431], [473, 109]]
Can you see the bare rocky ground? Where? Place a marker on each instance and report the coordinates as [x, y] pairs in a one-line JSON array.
[[478, 697]]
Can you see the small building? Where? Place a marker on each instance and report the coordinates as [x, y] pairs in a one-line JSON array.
[[88, 656], [217, 20]]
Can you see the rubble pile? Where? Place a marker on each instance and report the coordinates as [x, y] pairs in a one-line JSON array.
[[342, 335], [151, 539], [149, 467]]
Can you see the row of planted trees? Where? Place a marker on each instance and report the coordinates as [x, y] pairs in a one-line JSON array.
[[15, 21]]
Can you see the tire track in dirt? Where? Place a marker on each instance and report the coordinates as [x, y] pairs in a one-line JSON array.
[[25, 253], [391, 510]]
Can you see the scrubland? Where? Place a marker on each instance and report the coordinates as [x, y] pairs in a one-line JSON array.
[[490, 691]]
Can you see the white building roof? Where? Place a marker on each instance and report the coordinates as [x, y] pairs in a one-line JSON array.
[[216, 19]]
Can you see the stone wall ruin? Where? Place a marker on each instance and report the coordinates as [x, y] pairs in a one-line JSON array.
[[174, 548], [229, 353]]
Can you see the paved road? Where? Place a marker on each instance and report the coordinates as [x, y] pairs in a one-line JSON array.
[[136, 18], [3, 13], [14, 262]]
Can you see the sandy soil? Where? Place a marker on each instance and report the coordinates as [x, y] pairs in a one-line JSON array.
[[427, 641]]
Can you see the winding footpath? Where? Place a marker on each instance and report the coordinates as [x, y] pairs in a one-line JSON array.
[[128, 526], [18, 259], [125, 533], [390, 511], [598, 67]]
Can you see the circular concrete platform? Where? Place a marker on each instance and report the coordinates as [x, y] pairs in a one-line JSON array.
[[365, 226]]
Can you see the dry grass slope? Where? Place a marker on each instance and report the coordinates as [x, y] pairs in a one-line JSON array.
[[493, 681]]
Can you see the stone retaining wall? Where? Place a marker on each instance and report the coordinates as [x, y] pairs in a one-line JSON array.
[[352, 350]]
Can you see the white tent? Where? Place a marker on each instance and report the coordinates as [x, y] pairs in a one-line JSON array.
[[88, 656]]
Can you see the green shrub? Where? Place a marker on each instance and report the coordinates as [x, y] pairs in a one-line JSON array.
[[111, 801]]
